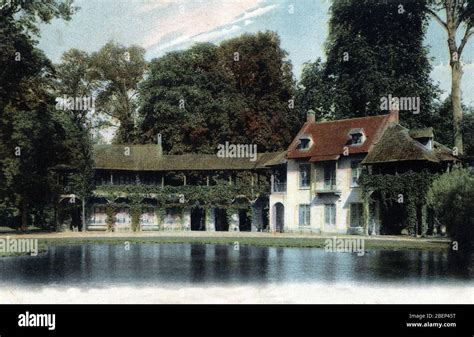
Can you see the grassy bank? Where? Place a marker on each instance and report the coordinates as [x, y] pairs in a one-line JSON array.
[[301, 242], [226, 238]]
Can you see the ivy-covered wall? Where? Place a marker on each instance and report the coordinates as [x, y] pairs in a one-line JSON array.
[[222, 195], [406, 191]]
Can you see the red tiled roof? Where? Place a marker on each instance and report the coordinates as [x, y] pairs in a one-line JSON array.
[[330, 138], [324, 157]]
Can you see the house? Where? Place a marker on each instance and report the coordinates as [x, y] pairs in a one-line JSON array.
[[405, 153], [313, 186], [167, 192], [317, 189]]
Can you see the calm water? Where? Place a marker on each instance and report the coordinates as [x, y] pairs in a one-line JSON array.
[[166, 264]]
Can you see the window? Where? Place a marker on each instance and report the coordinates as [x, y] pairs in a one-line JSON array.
[[357, 215], [305, 175], [304, 213], [304, 144], [330, 214], [356, 170], [356, 138], [330, 175]]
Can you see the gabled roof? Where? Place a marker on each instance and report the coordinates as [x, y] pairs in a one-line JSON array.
[[146, 158], [396, 144], [330, 138], [422, 133]]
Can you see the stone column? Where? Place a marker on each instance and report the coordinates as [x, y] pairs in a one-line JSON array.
[[210, 220], [233, 220], [256, 218], [186, 219]]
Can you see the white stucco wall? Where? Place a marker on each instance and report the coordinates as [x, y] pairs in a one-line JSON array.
[[295, 196]]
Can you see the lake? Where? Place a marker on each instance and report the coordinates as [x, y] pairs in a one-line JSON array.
[[103, 265]]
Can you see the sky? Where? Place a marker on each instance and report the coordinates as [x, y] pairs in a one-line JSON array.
[[161, 26]]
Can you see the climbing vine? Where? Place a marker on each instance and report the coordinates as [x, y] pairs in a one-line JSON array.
[[221, 195], [160, 216], [110, 220], [408, 189]]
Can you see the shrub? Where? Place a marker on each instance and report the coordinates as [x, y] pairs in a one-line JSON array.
[[451, 197]]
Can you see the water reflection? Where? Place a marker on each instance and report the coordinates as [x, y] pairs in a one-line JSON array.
[[104, 265]]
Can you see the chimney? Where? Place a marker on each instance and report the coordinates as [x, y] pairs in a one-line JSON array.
[[310, 116], [393, 109], [394, 115], [160, 146]]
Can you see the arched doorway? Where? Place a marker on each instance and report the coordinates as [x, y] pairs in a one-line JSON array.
[[221, 221], [198, 219], [245, 224], [279, 217]]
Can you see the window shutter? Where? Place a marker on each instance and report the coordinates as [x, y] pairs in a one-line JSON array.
[[353, 215], [333, 215], [326, 214]]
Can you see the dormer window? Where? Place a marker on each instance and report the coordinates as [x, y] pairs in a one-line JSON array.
[[426, 142], [423, 136], [304, 144], [356, 137]]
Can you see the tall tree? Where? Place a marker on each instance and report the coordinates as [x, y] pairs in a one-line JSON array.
[[73, 79], [366, 62], [442, 123], [28, 142], [118, 70], [189, 99], [263, 75], [314, 91], [240, 92], [458, 13]]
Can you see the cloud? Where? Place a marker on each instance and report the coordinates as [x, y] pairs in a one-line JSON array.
[[192, 19], [147, 7], [198, 22], [175, 42], [255, 13], [216, 34]]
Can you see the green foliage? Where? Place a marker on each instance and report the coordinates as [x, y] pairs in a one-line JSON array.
[[368, 61], [160, 213], [221, 195], [135, 212], [442, 122], [407, 189], [263, 76], [313, 91], [451, 196], [201, 97], [187, 99], [118, 70], [110, 220], [31, 133], [29, 14]]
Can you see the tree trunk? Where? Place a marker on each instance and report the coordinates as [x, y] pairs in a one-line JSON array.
[[456, 74], [84, 225], [24, 215]]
